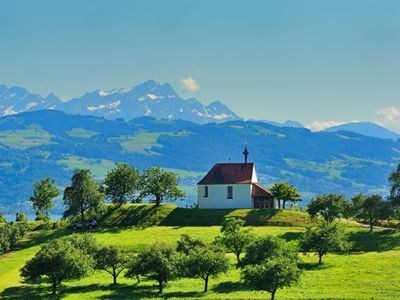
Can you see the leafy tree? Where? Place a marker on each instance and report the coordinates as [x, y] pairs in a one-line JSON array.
[[186, 243], [205, 262], [272, 275], [328, 206], [327, 237], [43, 194], [122, 183], [234, 237], [20, 217], [10, 234], [112, 260], [161, 184], [85, 243], [394, 180], [285, 192], [82, 195], [158, 262], [266, 248], [370, 209], [2, 219], [58, 260]]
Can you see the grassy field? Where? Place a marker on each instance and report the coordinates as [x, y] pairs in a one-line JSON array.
[[371, 271], [27, 138]]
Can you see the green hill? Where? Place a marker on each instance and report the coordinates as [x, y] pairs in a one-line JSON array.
[[170, 215]]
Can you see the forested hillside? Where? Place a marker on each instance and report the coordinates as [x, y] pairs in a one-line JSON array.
[[51, 143]]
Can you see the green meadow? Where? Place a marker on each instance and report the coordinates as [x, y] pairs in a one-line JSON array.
[[370, 271]]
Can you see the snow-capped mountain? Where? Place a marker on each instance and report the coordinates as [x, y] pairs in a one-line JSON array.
[[15, 99], [148, 99]]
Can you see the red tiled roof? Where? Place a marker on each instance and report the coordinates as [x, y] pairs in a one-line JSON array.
[[259, 191], [229, 173]]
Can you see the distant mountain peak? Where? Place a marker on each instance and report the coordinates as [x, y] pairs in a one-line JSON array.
[[150, 98]]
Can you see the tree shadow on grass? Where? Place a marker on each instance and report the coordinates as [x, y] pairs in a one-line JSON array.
[[230, 286], [291, 236], [379, 240], [260, 217], [108, 291], [313, 266]]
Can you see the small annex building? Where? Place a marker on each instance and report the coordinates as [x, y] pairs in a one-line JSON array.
[[233, 185]]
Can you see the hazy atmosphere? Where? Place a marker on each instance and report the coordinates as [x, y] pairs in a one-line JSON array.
[[317, 62]]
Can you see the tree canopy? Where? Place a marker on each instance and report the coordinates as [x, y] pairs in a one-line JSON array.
[[205, 262], [161, 184], [158, 262], [327, 237], [82, 195], [43, 194], [187, 243], [394, 180], [122, 184], [234, 237], [329, 206], [284, 192], [266, 248], [272, 275], [112, 260], [58, 261], [370, 209]]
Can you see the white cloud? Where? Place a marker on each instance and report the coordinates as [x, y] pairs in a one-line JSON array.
[[321, 125], [190, 84], [389, 117]]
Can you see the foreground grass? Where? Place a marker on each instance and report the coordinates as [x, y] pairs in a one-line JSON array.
[[359, 275]]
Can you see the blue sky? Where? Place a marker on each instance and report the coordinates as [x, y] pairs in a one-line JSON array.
[[311, 61]]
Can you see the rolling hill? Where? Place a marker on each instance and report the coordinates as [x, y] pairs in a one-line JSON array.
[[51, 143], [367, 129]]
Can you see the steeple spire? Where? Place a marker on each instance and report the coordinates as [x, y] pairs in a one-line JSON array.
[[245, 153]]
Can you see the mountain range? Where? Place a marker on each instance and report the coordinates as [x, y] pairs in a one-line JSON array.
[[51, 143], [147, 99]]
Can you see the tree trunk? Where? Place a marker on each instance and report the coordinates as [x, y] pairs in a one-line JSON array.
[[158, 199], [206, 284], [320, 258], [83, 217], [284, 204], [54, 287], [160, 286], [238, 260], [273, 295], [371, 225], [114, 277]]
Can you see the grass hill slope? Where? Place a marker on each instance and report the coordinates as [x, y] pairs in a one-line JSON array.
[[370, 271], [170, 215]]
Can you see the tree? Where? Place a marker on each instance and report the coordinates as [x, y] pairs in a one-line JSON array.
[[267, 248], [158, 262], [328, 206], [43, 194], [327, 237], [370, 209], [161, 184], [122, 183], [205, 262], [58, 260], [272, 275], [394, 180], [186, 243], [112, 260], [234, 237], [82, 195], [285, 192], [2, 219]]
